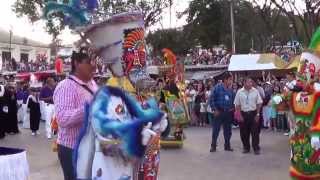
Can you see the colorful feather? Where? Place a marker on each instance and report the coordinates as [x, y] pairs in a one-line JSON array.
[[129, 130], [315, 40], [75, 16], [92, 5], [75, 3]]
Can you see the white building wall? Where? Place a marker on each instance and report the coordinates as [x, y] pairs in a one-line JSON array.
[[17, 49]]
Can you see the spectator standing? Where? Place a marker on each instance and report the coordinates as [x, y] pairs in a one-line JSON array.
[[70, 97], [221, 102], [190, 93], [273, 109], [46, 95], [248, 102], [201, 100], [34, 109], [198, 101], [20, 102], [10, 109], [26, 117], [262, 95]]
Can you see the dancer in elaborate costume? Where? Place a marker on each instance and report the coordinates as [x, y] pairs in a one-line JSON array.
[[174, 99], [303, 97], [120, 138]]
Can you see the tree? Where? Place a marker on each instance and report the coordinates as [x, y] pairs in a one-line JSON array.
[[257, 26], [174, 39], [152, 10], [303, 12], [274, 26], [205, 21]]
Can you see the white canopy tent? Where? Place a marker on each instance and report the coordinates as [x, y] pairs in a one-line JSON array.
[[249, 62]]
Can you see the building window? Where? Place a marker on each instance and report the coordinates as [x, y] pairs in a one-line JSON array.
[[24, 57], [6, 56]]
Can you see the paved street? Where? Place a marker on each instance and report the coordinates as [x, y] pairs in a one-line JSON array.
[[193, 162]]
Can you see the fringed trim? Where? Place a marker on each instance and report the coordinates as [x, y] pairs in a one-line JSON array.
[[14, 167]]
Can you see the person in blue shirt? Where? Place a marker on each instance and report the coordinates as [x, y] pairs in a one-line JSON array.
[[221, 102]]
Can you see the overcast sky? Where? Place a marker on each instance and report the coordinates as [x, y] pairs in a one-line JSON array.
[[22, 27]]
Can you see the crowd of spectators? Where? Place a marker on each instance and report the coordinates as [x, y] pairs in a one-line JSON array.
[[285, 52], [30, 66], [198, 92], [209, 57], [203, 57]]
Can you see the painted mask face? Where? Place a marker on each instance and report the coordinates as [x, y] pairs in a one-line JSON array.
[[134, 52]]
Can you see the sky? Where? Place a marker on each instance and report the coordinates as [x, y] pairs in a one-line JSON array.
[[22, 27]]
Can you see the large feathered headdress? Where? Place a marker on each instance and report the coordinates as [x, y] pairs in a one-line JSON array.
[[315, 42]]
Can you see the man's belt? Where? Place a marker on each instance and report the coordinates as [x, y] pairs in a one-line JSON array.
[[249, 112]]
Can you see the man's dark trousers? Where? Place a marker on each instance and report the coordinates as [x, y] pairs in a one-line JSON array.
[[247, 127], [223, 119]]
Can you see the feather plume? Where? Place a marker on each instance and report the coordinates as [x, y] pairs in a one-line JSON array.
[[76, 16], [315, 40], [129, 130]]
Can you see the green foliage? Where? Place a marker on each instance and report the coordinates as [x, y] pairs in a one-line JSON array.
[[176, 40], [152, 10], [205, 17], [255, 27]]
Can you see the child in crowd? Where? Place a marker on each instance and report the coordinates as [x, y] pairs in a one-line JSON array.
[[273, 109], [266, 114]]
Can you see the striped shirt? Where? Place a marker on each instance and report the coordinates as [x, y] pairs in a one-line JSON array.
[[69, 100]]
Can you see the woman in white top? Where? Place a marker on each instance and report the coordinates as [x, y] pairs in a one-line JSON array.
[[191, 92]]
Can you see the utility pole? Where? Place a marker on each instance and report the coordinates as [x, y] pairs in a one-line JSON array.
[[10, 42], [10, 47], [170, 9], [233, 36]]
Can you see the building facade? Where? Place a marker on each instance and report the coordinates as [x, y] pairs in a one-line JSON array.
[[22, 49]]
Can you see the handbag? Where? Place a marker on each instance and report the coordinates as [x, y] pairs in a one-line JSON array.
[[237, 115]]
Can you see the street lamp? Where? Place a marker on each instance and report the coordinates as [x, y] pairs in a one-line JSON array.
[[10, 44]]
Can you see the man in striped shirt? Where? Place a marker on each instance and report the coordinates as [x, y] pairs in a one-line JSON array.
[[70, 97]]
